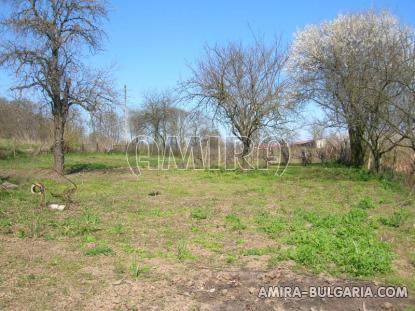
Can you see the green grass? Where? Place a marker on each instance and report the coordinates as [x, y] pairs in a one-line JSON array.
[[138, 270], [100, 249], [366, 203], [332, 219], [397, 219], [199, 214], [337, 243], [183, 252], [235, 222]]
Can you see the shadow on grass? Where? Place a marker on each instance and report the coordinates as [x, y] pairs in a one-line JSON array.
[[87, 167]]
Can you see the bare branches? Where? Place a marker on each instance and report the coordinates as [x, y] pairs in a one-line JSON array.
[[243, 87], [43, 47]]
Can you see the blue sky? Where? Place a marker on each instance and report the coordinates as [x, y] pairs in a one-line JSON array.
[[152, 42]]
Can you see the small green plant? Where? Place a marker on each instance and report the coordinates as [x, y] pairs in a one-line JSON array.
[[259, 251], [137, 270], [235, 222], [199, 214], [100, 249], [231, 258], [396, 220], [118, 229], [5, 225], [90, 239], [78, 226], [21, 234], [183, 252], [211, 243], [366, 203], [272, 225]]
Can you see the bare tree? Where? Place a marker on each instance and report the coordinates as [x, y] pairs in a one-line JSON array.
[[244, 87], [349, 66], [401, 112], [23, 120], [106, 129], [317, 130], [155, 117], [43, 43]]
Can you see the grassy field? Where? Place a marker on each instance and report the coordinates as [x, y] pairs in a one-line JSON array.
[[159, 240]]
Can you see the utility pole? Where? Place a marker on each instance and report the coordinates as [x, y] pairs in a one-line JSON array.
[[125, 115]]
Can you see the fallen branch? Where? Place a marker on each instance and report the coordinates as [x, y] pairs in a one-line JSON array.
[[66, 194]]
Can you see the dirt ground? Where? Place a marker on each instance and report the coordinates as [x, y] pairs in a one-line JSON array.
[[169, 286]]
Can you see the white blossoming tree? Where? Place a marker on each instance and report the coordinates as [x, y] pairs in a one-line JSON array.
[[350, 66]]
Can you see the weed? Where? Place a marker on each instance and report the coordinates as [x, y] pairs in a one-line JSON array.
[[117, 229], [90, 239], [210, 242], [231, 258], [137, 270], [199, 214], [5, 225], [271, 225], [259, 251], [235, 222], [396, 220], [74, 226], [183, 252], [366, 203], [100, 249]]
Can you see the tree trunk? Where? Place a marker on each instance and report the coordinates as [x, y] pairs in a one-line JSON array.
[[245, 151], [376, 161], [357, 151], [58, 143]]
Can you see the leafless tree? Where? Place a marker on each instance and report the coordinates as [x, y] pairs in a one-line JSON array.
[[155, 116], [244, 88], [23, 120], [43, 43], [401, 112], [106, 129]]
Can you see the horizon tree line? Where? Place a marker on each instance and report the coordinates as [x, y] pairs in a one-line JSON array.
[[359, 68]]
